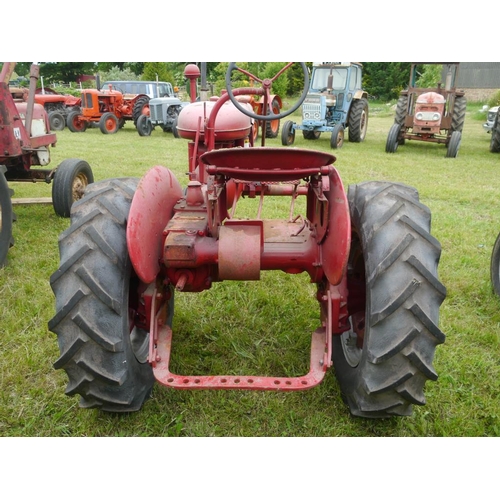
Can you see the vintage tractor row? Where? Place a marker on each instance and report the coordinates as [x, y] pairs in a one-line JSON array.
[[164, 111], [430, 114], [107, 109], [58, 106], [335, 102], [25, 142], [134, 244]]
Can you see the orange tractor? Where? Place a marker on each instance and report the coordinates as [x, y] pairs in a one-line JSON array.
[[136, 243], [108, 110]]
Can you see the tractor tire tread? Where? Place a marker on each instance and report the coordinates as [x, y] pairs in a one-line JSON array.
[[356, 127], [405, 294], [90, 286]]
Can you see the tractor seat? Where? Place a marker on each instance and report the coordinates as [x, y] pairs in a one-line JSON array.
[[267, 164]]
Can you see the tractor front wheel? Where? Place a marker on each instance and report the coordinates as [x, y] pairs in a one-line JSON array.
[[454, 144], [383, 362], [144, 126], [70, 181], [98, 302], [75, 123], [6, 217], [337, 138], [287, 134], [392, 143], [175, 132], [108, 124]]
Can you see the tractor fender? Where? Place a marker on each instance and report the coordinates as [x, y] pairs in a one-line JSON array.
[[336, 245], [151, 209], [360, 94], [272, 97]]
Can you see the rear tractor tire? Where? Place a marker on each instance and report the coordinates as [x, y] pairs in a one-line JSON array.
[[273, 127], [400, 118], [383, 362], [458, 117], [141, 107], [97, 296], [495, 267], [70, 181], [495, 135], [358, 121]]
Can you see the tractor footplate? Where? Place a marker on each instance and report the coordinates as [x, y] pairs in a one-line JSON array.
[[163, 375]]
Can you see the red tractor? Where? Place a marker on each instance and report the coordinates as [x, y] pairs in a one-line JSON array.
[[107, 109], [25, 142], [134, 244], [430, 114], [58, 106]]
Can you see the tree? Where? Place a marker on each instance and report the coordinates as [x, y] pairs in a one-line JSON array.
[[65, 71], [157, 70], [384, 80]]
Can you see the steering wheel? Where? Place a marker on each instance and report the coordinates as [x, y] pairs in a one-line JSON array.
[[266, 85]]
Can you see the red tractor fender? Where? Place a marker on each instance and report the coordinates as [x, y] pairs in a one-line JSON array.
[[151, 209], [258, 108], [337, 243]]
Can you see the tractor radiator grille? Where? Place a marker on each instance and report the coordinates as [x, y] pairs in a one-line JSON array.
[[155, 112], [311, 108]]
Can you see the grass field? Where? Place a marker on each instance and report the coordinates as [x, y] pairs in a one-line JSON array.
[[264, 327]]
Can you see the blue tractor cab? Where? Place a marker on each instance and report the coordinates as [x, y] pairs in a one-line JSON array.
[[335, 102]]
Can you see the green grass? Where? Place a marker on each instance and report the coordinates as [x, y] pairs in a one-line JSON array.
[[264, 327]]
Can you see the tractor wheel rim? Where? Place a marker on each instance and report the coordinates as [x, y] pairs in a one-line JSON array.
[[79, 184], [352, 340], [139, 340]]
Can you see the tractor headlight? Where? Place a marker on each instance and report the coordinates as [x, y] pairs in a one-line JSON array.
[[428, 116]]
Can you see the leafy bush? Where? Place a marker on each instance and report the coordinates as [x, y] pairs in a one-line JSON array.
[[430, 76], [261, 70], [494, 99], [115, 73]]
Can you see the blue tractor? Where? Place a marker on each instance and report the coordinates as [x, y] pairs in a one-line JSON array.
[[335, 102]]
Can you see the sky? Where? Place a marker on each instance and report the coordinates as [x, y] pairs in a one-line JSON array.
[[387, 30]]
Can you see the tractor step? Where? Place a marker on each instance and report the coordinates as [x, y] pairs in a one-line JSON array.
[[318, 366]]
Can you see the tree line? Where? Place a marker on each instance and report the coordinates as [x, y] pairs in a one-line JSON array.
[[382, 80]]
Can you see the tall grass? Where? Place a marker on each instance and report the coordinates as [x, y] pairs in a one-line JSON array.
[[264, 327]]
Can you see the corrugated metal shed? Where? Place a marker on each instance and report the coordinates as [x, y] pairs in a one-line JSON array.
[[479, 75]]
